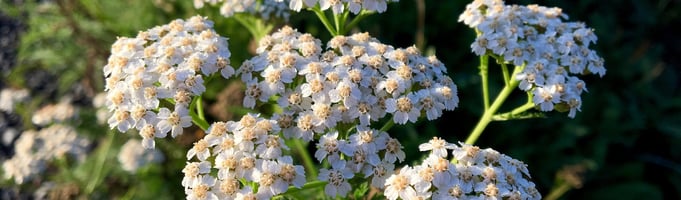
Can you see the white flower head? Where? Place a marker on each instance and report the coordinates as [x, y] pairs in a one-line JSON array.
[[477, 174], [438, 146], [134, 156], [553, 51], [337, 179], [242, 152], [400, 185], [338, 6], [54, 113], [330, 148], [11, 97], [201, 189], [168, 61], [264, 9], [33, 150], [356, 79]]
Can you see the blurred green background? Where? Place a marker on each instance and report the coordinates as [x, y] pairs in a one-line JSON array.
[[625, 144]]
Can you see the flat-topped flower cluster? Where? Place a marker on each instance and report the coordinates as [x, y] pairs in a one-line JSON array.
[[339, 6], [165, 62], [281, 8], [35, 149], [477, 174], [355, 79], [263, 8], [332, 94], [252, 150], [248, 150], [134, 156], [536, 37], [366, 152], [55, 113]]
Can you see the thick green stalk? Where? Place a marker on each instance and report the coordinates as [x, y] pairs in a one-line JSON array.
[[344, 19], [338, 22], [322, 17], [199, 108], [504, 67], [256, 26], [198, 121], [514, 113], [484, 63], [558, 191], [489, 113], [362, 14], [504, 70]]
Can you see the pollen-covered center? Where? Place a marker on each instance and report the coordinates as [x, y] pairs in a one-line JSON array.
[[404, 104]]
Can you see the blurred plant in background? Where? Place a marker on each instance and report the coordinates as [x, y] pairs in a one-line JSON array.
[[626, 137]]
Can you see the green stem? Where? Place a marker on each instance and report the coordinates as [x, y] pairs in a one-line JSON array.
[[504, 69], [322, 17], [307, 186], [344, 19], [487, 116], [199, 108], [388, 125], [201, 123], [198, 121], [197, 118], [514, 113], [344, 129], [251, 29], [362, 14], [337, 21], [558, 192], [307, 160], [255, 26], [101, 160], [484, 63]]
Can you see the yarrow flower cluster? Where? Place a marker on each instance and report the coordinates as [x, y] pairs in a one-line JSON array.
[[264, 8], [477, 174], [55, 113], [10, 97], [248, 150], [339, 6], [34, 149], [367, 152], [331, 93], [356, 79], [165, 62], [536, 37], [134, 156]]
